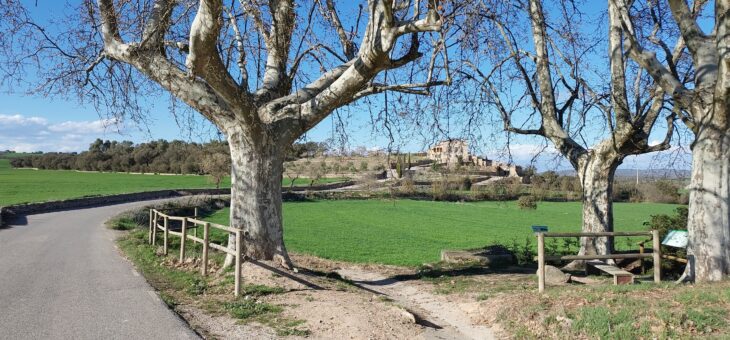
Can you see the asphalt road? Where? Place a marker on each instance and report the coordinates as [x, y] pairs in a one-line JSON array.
[[61, 277]]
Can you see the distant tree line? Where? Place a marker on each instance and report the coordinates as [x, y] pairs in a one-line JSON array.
[[158, 156]]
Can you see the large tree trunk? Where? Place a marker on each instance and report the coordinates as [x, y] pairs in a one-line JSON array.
[[596, 173], [709, 212], [256, 174]]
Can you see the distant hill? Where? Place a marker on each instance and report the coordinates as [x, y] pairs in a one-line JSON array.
[[643, 173]]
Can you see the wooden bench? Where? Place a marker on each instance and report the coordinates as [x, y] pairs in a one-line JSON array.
[[620, 276]]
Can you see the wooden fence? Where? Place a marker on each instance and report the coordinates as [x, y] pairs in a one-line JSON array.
[[656, 253], [187, 223]]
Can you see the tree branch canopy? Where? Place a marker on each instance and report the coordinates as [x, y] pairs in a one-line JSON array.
[[234, 62]]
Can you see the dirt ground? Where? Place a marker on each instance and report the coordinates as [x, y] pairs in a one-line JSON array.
[[336, 300]]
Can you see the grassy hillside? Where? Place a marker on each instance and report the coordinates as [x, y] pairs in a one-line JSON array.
[[408, 232], [28, 185]]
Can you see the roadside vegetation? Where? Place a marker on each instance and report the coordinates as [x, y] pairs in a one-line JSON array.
[[182, 284], [505, 298]]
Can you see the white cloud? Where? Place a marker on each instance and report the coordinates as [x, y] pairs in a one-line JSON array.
[[27, 134]]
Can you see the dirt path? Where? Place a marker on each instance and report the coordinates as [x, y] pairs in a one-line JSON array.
[[443, 319]]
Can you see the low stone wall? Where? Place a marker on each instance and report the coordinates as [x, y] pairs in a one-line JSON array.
[[86, 202], [330, 186]]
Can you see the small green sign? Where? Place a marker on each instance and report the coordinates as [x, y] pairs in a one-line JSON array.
[[539, 229]]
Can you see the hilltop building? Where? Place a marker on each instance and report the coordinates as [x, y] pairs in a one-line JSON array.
[[455, 152]]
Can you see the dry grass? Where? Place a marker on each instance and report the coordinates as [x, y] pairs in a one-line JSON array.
[[509, 301]]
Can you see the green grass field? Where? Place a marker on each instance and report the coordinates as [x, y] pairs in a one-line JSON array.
[[410, 233], [28, 185]]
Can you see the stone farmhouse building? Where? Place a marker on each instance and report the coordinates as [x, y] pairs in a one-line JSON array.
[[455, 152]]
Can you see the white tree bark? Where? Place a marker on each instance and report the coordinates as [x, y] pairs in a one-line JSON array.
[[707, 113], [256, 174], [709, 206], [596, 173]]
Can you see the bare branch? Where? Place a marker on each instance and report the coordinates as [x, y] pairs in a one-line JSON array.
[[203, 59], [330, 13], [648, 60]]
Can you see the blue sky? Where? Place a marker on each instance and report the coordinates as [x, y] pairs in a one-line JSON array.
[[35, 123]]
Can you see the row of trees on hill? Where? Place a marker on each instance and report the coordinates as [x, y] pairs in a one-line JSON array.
[[161, 156]]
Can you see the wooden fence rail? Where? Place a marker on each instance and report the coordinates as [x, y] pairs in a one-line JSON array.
[[157, 216], [656, 253]]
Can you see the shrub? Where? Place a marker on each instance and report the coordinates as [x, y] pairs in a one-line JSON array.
[[665, 223], [440, 190], [465, 184], [527, 202], [625, 192], [407, 187]]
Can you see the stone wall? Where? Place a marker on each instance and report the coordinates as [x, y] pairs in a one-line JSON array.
[[86, 202], [329, 186]]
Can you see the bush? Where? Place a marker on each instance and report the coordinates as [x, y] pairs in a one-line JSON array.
[[527, 202], [407, 187], [625, 192], [439, 190], [465, 184], [665, 223]]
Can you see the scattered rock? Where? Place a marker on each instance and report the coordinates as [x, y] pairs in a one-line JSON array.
[[555, 276], [567, 322], [584, 280], [408, 316]]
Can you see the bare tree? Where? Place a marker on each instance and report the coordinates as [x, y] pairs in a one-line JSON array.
[[217, 166], [293, 172], [264, 72], [554, 70], [705, 110]]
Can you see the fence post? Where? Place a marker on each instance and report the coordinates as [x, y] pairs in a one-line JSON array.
[[206, 227], [149, 231], [195, 215], [541, 262], [154, 229], [165, 236], [237, 290], [182, 238], [657, 252], [641, 260]]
